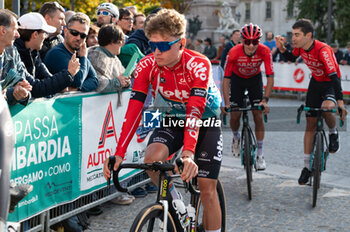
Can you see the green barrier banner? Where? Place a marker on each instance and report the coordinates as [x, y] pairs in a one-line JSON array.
[[61, 144]]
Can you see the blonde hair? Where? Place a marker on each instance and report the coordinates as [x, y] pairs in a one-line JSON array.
[[167, 21]]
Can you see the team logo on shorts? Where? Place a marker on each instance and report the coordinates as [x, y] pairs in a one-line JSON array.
[[151, 119]]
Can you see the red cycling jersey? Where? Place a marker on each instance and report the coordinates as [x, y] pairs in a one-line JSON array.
[[320, 59], [248, 66], [188, 86]]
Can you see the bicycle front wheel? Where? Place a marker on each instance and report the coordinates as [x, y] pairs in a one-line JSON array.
[[247, 160], [222, 202], [317, 167], [151, 219]]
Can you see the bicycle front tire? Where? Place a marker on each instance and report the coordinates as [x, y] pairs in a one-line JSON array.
[[151, 219], [317, 167], [247, 160]]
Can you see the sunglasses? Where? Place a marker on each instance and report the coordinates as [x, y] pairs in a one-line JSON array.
[[76, 33], [251, 41], [162, 46], [128, 19], [104, 13]]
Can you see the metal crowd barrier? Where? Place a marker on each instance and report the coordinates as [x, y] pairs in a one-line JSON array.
[[45, 220]]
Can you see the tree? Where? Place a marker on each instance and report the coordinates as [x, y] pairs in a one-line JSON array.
[[316, 11]]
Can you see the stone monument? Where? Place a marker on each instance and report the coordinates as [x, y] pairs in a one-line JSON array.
[[217, 18]]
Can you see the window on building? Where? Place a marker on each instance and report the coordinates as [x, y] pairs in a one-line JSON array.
[[268, 10], [290, 10], [247, 11]]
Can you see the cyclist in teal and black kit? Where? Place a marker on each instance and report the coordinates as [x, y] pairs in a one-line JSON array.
[[324, 88], [182, 79]]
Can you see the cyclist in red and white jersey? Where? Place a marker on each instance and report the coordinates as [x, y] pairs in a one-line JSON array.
[[324, 88], [182, 79], [242, 72]]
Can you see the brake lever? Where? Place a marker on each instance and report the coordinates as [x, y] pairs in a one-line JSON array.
[[340, 110], [110, 167]]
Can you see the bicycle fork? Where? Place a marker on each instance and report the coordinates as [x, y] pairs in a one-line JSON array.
[[165, 216]]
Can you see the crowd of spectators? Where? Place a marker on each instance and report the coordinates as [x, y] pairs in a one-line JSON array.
[[54, 51]]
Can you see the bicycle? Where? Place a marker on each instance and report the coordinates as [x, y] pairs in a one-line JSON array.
[[248, 141], [163, 214], [319, 154]]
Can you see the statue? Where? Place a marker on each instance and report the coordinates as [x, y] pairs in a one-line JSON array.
[[226, 18]]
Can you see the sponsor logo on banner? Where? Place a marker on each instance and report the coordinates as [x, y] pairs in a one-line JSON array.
[[103, 152], [299, 75]]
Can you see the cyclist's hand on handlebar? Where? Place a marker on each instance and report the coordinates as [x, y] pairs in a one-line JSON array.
[[190, 168], [266, 107], [344, 113], [106, 171], [223, 109], [340, 104]]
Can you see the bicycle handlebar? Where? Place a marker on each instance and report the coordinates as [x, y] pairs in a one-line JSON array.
[[155, 166], [311, 109], [258, 107]]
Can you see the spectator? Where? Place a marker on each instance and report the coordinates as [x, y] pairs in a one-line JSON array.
[[104, 58], [126, 19], [209, 50], [91, 39], [338, 53], [140, 39], [279, 56], [67, 15], [58, 57], [54, 16], [132, 9], [235, 39], [221, 47], [10, 59], [33, 32], [139, 21], [11, 63], [199, 46], [107, 13], [346, 59], [271, 43], [189, 44]]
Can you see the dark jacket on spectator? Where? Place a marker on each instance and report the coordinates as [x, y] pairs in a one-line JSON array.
[[38, 69], [280, 57], [210, 52], [40, 88], [50, 43], [347, 58], [57, 59], [339, 56], [224, 53], [139, 38]]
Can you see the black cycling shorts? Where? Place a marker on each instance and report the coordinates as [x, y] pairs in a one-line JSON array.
[[208, 153], [254, 85], [317, 93]]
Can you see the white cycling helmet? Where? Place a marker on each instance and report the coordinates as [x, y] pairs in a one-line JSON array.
[[109, 7]]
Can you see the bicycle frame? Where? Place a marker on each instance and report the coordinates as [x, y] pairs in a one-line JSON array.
[[164, 197], [319, 152]]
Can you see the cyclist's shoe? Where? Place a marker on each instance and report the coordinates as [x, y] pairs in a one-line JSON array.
[[333, 142], [260, 163], [17, 193], [236, 147], [304, 176]]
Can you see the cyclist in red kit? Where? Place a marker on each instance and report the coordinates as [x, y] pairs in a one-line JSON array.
[[181, 79], [324, 88], [242, 72]]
